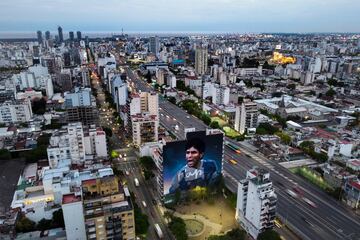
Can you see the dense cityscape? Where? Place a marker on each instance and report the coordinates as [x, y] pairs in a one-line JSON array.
[[180, 136]]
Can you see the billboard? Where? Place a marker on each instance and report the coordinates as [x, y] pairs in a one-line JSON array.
[[194, 162]]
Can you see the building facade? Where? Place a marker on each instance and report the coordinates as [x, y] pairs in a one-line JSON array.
[[256, 202]]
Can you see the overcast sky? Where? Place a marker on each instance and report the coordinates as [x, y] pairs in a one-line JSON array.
[[181, 15]]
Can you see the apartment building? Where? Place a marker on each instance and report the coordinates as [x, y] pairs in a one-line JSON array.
[[246, 116], [108, 210], [15, 111], [256, 202]]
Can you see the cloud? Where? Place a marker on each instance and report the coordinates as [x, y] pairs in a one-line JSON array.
[[168, 15]]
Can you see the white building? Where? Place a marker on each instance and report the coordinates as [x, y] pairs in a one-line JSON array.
[[73, 213], [119, 91], [256, 202], [144, 102], [36, 77], [80, 97], [95, 142], [67, 144], [246, 116], [171, 80], [15, 111]]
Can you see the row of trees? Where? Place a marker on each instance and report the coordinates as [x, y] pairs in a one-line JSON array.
[[235, 234], [178, 227], [147, 165], [26, 225], [309, 148], [193, 108], [180, 85]]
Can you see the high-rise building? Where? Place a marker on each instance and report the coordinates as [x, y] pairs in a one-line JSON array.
[[201, 60], [78, 34], [256, 202], [39, 37], [60, 34], [154, 45], [119, 91], [246, 116], [144, 128], [47, 35], [108, 210], [71, 36], [142, 117]]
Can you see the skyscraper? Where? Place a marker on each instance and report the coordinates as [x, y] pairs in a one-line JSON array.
[[47, 35], [71, 36], [60, 33], [201, 60], [39, 37], [154, 45], [78, 34]]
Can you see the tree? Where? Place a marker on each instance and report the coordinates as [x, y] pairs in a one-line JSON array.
[[330, 93], [269, 235], [58, 219], [25, 225], [266, 128], [39, 106], [5, 154], [214, 124], [205, 118], [147, 162], [148, 77], [108, 131], [44, 224], [178, 228], [291, 86], [141, 221], [43, 140], [172, 100]]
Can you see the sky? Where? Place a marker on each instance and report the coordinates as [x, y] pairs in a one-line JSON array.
[[228, 16]]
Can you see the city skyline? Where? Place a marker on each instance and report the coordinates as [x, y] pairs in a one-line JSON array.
[[168, 16]]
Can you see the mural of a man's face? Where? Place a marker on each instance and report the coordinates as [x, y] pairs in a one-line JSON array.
[[193, 157]]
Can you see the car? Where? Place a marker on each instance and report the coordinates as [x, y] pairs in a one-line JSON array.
[[154, 201], [127, 173], [144, 204], [311, 203], [188, 117], [291, 193]]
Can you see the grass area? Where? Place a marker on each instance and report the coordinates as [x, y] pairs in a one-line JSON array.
[[193, 226], [114, 154], [229, 132], [312, 177], [221, 122]]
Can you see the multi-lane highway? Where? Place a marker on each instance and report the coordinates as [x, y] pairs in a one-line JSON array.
[[127, 163], [329, 219]]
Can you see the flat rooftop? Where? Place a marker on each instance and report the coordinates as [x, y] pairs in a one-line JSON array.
[[10, 171], [70, 198]]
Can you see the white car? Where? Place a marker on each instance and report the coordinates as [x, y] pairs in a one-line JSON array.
[[144, 203]]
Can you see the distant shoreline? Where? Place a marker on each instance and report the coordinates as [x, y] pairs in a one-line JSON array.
[[96, 34]]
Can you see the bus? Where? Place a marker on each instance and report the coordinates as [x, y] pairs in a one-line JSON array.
[[158, 231], [232, 147]]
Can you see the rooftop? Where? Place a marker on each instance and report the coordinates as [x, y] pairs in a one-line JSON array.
[[70, 198]]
